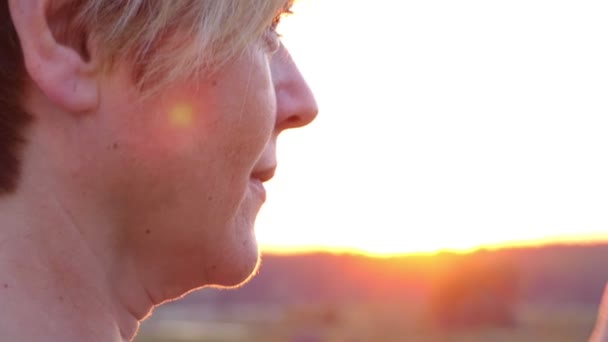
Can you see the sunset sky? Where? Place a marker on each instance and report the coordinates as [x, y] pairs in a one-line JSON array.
[[444, 125]]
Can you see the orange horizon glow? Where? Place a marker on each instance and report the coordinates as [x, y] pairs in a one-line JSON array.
[[595, 239]]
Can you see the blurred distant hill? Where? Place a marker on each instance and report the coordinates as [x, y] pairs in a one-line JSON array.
[[548, 275]]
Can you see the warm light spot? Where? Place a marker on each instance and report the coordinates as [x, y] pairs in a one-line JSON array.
[[181, 115]]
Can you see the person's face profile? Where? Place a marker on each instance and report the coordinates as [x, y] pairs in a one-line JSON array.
[[189, 162]]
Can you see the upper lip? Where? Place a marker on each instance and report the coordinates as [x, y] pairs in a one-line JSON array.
[[264, 174]]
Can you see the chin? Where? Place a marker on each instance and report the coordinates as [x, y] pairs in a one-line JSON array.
[[238, 266]]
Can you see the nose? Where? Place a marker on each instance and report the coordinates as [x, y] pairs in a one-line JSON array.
[[296, 105]]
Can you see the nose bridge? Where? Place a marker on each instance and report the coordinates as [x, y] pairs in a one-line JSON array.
[[296, 104]]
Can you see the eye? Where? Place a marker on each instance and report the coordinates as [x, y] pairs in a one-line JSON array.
[[273, 38]]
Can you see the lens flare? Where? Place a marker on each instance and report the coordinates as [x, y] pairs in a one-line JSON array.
[[181, 116]]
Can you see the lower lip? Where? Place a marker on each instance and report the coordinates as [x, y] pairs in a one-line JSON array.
[[258, 188]]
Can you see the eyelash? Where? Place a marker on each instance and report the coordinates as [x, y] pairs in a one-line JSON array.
[[274, 37], [277, 19]]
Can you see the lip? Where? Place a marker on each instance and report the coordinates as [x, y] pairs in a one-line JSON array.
[[258, 178], [258, 187], [264, 175]]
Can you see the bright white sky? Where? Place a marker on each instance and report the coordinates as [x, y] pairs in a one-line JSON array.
[[444, 124]]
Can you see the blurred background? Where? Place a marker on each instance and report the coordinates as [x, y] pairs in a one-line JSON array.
[[524, 294], [453, 188]]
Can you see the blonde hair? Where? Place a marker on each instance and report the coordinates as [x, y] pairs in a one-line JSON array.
[[170, 39]]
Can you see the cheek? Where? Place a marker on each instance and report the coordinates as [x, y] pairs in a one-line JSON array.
[[250, 111], [246, 130], [208, 138]]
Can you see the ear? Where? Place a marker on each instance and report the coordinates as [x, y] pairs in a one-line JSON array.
[[62, 72]]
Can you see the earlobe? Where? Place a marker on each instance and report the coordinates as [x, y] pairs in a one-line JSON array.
[[61, 72]]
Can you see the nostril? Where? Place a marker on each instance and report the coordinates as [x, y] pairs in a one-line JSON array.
[[298, 120], [294, 120]]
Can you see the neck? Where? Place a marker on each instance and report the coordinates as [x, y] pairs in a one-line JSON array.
[[62, 280]]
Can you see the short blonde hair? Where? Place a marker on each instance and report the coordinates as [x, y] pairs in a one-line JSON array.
[[164, 40], [169, 39]]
